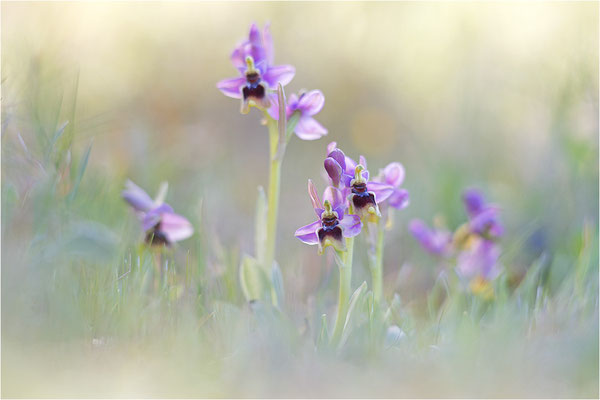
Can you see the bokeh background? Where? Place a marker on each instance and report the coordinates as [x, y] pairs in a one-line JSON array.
[[503, 97]]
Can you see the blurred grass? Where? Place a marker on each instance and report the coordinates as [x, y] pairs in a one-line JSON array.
[[502, 96]]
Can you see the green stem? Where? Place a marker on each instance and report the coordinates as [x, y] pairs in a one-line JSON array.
[[345, 267], [272, 200], [377, 267]]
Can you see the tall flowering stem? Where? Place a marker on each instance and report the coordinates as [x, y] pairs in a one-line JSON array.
[[279, 135], [344, 261], [392, 176], [376, 261], [259, 84], [273, 192], [336, 226]]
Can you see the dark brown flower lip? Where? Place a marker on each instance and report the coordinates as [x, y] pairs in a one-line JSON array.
[[155, 237], [333, 235], [363, 200], [254, 91]]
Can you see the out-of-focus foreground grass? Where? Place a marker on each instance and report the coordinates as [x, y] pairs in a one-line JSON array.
[[500, 96]]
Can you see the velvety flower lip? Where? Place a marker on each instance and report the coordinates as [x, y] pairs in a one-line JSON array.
[[484, 219], [307, 104], [434, 241], [159, 221], [254, 60], [333, 223]]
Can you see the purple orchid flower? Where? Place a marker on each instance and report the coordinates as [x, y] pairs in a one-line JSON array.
[[479, 261], [364, 194], [484, 219], [254, 60], [333, 224], [161, 224], [393, 175], [307, 104], [434, 241]]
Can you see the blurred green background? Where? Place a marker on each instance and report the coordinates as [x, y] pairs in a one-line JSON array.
[[499, 96]]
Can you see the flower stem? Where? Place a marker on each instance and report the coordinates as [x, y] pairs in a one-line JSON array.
[[377, 267], [344, 260], [272, 199]]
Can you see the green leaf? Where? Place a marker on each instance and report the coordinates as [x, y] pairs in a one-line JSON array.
[[65, 140], [527, 289], [260, 225], [277, 279], [253, 280], [323, 337], [438, 293], [55, 138], [356, 301], [82, 167]]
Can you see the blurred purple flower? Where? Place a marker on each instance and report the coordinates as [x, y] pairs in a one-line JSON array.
[[435, 241], [484, 219], [479, 260], [254, 60], [307, 104], [161, 224], [333, 224]]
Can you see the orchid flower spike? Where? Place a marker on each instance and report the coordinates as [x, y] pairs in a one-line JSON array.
[[254, 60], [161, 225], [333, 224]]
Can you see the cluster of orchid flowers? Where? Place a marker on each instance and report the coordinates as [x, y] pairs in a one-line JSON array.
[[350, 198], [473, 247], [259, 79], [352, 201]]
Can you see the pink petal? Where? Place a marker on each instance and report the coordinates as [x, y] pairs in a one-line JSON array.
[[394, 174], [381, 190], [279, 74], [334, 170], [238, 56], [232, 87], [308, 233], [334, 196], [351, 225], [311, 103], [309, 129], [399, 199], [314, 197], [137, 197], [331, 146], [254, 36], [268, 43], [175, 227]]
